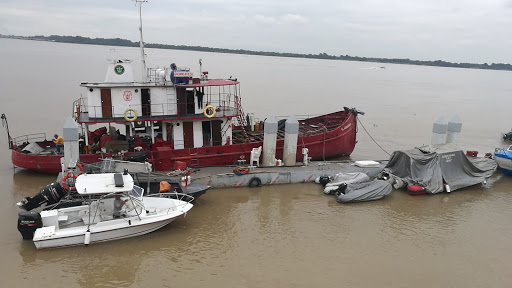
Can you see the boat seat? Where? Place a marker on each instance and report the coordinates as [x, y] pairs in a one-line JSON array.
[[255, 156]]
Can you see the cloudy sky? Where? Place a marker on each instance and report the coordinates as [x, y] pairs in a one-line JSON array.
[[474, 31]]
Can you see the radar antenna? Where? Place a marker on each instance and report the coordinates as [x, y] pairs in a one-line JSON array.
[[143, 55]]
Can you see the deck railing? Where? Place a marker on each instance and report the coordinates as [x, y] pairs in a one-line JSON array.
[[29, 138], [172, 109]]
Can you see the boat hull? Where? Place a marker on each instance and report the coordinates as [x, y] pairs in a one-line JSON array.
[[78, 237], [337, 141], [504, 160], [49, 237], [49, 163]]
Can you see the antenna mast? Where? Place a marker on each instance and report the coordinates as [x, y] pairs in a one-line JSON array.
[[143, 55]]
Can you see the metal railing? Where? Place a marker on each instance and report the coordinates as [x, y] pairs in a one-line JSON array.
[[29, 138], [180, 109], [173, 195]]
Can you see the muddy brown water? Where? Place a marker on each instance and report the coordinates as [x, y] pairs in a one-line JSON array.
[[282, 235]]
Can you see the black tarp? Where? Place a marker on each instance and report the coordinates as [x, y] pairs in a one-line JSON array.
[[431, 166]]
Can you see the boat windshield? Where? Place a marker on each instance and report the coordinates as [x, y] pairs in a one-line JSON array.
[[137, 191]]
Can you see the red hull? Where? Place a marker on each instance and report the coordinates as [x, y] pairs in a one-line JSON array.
[[334, 143], [49, 163], [338, 140]]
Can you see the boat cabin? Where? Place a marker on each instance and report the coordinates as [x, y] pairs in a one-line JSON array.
[[169, 104]]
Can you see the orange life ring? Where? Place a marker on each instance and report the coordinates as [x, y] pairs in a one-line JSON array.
[[79, 166], [64, 181]]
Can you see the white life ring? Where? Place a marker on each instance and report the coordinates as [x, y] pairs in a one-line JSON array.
[[128, 118], [207, 113]]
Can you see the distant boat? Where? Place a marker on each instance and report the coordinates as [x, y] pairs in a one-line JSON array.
[[507, 136]]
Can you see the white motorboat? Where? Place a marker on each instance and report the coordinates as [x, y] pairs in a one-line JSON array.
[[97, 221], [504, 159]]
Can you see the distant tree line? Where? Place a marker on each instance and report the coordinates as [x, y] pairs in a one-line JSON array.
[[128, 43]]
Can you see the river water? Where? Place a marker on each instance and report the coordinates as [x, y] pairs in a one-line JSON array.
[[282, 235]]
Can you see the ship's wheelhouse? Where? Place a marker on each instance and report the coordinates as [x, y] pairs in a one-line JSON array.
[[163, 109]]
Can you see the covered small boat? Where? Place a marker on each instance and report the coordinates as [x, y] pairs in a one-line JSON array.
[[346, 178], [503, 158], [437, 168], [365, 191], [99, 220]]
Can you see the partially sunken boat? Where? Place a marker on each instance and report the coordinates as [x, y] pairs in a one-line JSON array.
[[172, 115]]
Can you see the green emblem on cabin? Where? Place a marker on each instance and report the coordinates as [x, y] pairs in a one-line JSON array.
[[119, 69]]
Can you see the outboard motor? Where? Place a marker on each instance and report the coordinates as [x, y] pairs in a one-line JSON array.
[[324, 180], [341, 189], [49, 194], [28, 222]]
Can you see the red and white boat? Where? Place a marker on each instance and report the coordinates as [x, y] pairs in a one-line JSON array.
[[171, 116]]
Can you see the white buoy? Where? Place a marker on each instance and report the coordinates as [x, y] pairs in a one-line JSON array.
[[87, 238], [291, 129], [439, 131], [269, 141], [454, 129]]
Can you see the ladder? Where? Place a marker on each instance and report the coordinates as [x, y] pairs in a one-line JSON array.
[[240, 118], [194, 160]]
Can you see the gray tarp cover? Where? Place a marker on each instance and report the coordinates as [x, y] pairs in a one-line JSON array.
[[430, 165], [347, 178], [366, 191]]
